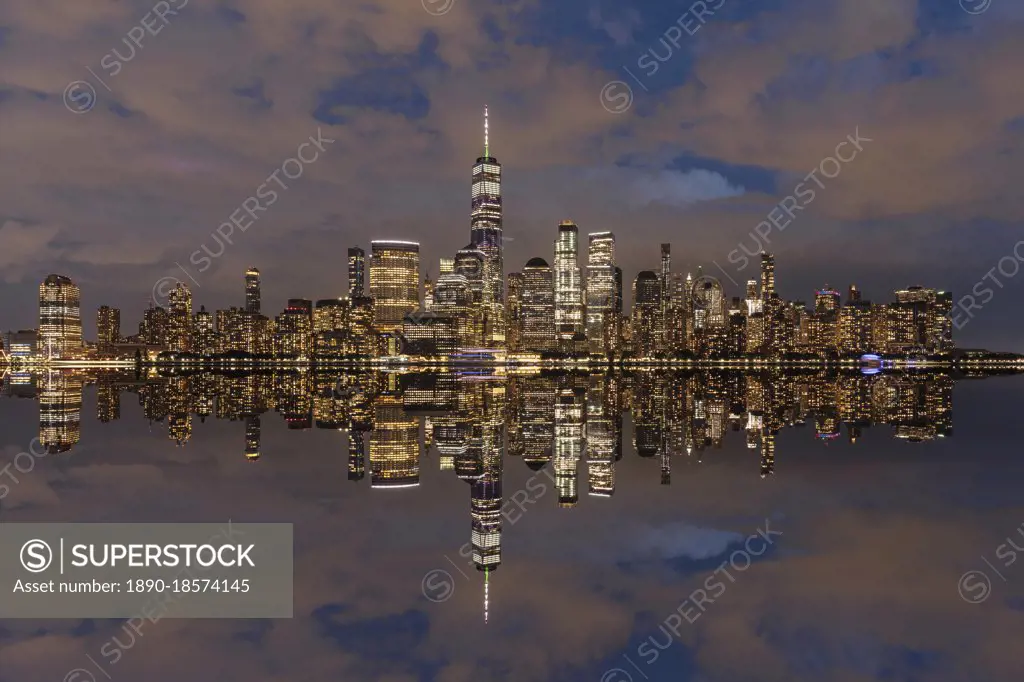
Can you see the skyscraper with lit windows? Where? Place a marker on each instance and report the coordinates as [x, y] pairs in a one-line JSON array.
[[108, 326], [601, 297], [514, 312], [356, 271], [179, 319], [252, 290], [568, 286], [486, 235], [394, 282], [538, 306], [60, 316], [767, 276]]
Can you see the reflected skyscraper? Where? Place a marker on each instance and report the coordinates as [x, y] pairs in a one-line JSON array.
[[601, 438], [60, 411], [252, 437], [569, 412], [394, 446]]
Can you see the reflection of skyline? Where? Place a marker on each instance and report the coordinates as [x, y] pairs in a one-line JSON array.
[[390, 420], [388, 424]]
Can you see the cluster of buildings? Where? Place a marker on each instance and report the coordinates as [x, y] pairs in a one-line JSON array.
[[473, 310]]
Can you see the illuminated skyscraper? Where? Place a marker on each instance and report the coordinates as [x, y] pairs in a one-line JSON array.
[[827, 300], [252, 290], [295, 329], [486, 235], [428, 293], [646, 322], [666, 296], [204, 338], [538, 306], [394, 282], [514, 312], [602, 321], [453, 298], [568, 286], [359, 328], [356, 271], [108, 326], [179, 319], [60, 316], [154, 327], [767, 276], [754, 302]]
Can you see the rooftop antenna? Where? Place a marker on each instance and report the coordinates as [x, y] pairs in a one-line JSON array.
[[487, 146]]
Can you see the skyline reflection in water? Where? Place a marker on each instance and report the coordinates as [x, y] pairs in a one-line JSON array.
[[391, 543]]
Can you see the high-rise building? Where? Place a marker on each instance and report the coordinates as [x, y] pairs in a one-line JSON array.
[[428, 293], [445, 266], [295, 328], [356, 271], [538, 306], [486, 235], [666, 295], [827, 300], [204, 338], [179, 319], [854, 327], [394, 282], [252, 290], [754, 302], [568, 286], [360, 338], [60, 316], [108, 327], [646, 322], [453, 298], [514, 312], [155, 326], [940, 323], [600, 310], [767, 276]]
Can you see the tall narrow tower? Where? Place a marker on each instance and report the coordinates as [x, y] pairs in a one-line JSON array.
[[486, 235], [252, 290], [568, 286]]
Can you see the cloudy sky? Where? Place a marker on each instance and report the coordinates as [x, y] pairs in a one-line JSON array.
[[132, 129]]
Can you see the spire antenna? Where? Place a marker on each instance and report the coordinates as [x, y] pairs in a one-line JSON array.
[[487, 145]]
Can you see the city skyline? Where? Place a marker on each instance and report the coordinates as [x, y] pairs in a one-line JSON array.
[[391, 306], [700, 171], [550, 311]]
